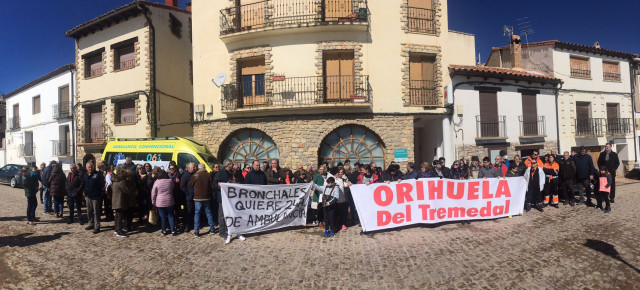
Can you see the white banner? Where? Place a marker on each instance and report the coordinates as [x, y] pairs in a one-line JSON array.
[[430, 200], [258, 208]]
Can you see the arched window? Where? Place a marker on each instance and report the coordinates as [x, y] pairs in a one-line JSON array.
[[355, 143], [247, 145]]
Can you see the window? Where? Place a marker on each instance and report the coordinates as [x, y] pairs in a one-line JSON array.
[[124, 57], [14, 123], [422, 85], [186, 158], [93, 63], [585, 125], [529, 115], [175, 25], [248, 145], [610, 71], [337, 10], [63, 107], [252, 81], [489, 119], [338, 75], [615, 124], [94, 124], [580, 67], [36, 105], [355, 143], [125, 112], [421, 16]]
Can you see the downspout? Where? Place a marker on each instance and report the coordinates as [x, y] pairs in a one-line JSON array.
[[152, 71], [634, 79], [557, 89], [73, 115]]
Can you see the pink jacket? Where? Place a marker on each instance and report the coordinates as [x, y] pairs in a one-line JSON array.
[[162, 193]]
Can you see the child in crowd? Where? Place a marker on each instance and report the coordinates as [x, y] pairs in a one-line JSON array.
[[603, 185], [330, 197]]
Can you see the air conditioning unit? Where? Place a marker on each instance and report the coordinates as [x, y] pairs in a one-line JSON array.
[[209, 109], [199, 109]]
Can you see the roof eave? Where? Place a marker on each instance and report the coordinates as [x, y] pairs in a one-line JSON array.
[[56, 72]]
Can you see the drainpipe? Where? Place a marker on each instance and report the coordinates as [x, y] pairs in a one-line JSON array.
[[73, 116], [152, 71], [634, 79], [557, 89]]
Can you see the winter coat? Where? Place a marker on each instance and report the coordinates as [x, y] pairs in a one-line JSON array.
[[93, 184], [567, 169], [201, 183], [410, 175], [256, 177], [74, 184], [613, 162], [162, 193], [45, 175], [387, 176], [521, 167], [123, 191], [425, 174], [272, 177], [584, 166], [609, 179], [57, 183], [456, 173], [223, 176], [374, 178], [30, 185], [185, 187], [488, 172], [502, 171], [541, 181], [530, 160]]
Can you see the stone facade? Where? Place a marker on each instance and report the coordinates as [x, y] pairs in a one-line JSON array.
[[404, 13], [482, 151], [407, 51], [298, 138]]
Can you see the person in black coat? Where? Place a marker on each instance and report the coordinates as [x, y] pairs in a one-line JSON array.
[[256, 176], [567, 176], [74, 193], [609, 159], [584, 174]]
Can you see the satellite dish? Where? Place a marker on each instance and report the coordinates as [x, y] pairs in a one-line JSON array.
[[220, 78]]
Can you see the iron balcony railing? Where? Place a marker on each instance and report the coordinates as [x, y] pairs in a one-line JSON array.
[[296, 92], [619, 126], [124, 64], [532, 126], [127, 119], [13, 123], [61, 110], [96, 133], [580, 73], [423, 93], [25, 150], [274, 13], [590, 127], [491, 127], [611, 77], [421, 20], [60, 148]]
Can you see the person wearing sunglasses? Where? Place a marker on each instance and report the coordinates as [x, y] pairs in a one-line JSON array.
[[533, 158]]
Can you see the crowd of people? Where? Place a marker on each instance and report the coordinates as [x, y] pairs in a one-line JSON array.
[[181, 196]]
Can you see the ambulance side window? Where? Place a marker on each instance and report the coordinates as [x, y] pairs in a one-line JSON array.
[[186, 158]]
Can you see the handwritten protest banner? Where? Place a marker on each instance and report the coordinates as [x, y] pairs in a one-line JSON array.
[[257, 208], [430, 200]]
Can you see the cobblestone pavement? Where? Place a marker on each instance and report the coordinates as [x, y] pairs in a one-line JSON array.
[[566, 248]]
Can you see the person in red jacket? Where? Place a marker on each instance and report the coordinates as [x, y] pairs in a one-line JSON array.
[[501, 168]]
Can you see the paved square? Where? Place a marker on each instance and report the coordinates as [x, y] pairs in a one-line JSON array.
[[566, 248]]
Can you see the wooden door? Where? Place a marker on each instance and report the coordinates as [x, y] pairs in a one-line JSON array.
[[252, 82], [420, 15], [336, 9], [16, 117], [583, 123], [338, 75], [96, 126], [252, 14], [489, 123], [529, 115], [422, 80]]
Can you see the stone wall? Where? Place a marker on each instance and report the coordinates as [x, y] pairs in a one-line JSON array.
[[482, 151], [298, 137]]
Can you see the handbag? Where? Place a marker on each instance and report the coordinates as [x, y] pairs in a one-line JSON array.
[[153, 216]]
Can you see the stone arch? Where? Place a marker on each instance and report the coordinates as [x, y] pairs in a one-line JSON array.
[[87, 158], [247, 144], [354, 142]]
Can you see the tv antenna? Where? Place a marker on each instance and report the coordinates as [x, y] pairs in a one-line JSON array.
[[507, 31], [526, 28]]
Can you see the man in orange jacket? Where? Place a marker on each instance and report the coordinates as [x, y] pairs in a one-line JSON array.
[[534, 158], [551, 170]]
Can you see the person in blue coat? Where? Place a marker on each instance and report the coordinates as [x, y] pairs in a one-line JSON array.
[[256, 176]]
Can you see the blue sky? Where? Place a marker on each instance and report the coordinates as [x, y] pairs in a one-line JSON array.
[[33, 41]]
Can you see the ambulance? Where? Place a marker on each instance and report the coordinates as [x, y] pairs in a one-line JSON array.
[[158, 152]]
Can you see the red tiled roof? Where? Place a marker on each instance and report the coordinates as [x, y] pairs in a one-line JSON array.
[[120, 12], [501, 72], [574, 46]]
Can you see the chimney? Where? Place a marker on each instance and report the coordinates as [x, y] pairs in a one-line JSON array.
[[188, 6], [173, 3], [516, 52]]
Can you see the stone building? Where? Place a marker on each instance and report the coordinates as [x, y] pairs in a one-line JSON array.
[[134, 75], [310, 81], [594, 102]]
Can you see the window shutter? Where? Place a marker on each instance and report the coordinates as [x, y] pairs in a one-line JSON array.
[[425, 4], [579, 63], [582, 111], [489, 123], [612, 111]]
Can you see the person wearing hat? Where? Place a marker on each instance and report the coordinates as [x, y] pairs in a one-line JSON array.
[[438, 170], [474, 167]]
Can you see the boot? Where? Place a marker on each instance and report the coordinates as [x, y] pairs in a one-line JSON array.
[[527, 207]]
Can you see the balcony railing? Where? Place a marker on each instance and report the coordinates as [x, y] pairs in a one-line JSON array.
[[25, 150], [590, 127], [96, 134], [297, 92], [127, 119], [580, 73], [13, 123], [60, 148], [124, 64], [532, 127], [61, 110], [274, 13], [611, 77], [491, 127], [619, 126], [423, 93], [93, 72], [421, 20]]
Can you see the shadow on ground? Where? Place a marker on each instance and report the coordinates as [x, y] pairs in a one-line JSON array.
[[24, 239], [609, 250]]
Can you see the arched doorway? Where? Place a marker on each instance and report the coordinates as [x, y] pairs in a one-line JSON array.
[[87, 158], [353, 142], [247, 145]]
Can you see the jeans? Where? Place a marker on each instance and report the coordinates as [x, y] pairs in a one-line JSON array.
[[584, 183], [119, 220], [75, 203], [330, 217], [41, 195], [94, 211], [214, 210], [190, 209], [167, 212], [200, 205], [567, 190], [222, 223], [47, 200], [32, 204], [58, 204]]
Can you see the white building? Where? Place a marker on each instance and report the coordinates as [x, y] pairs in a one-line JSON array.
[[39, 120], [594, 103]]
